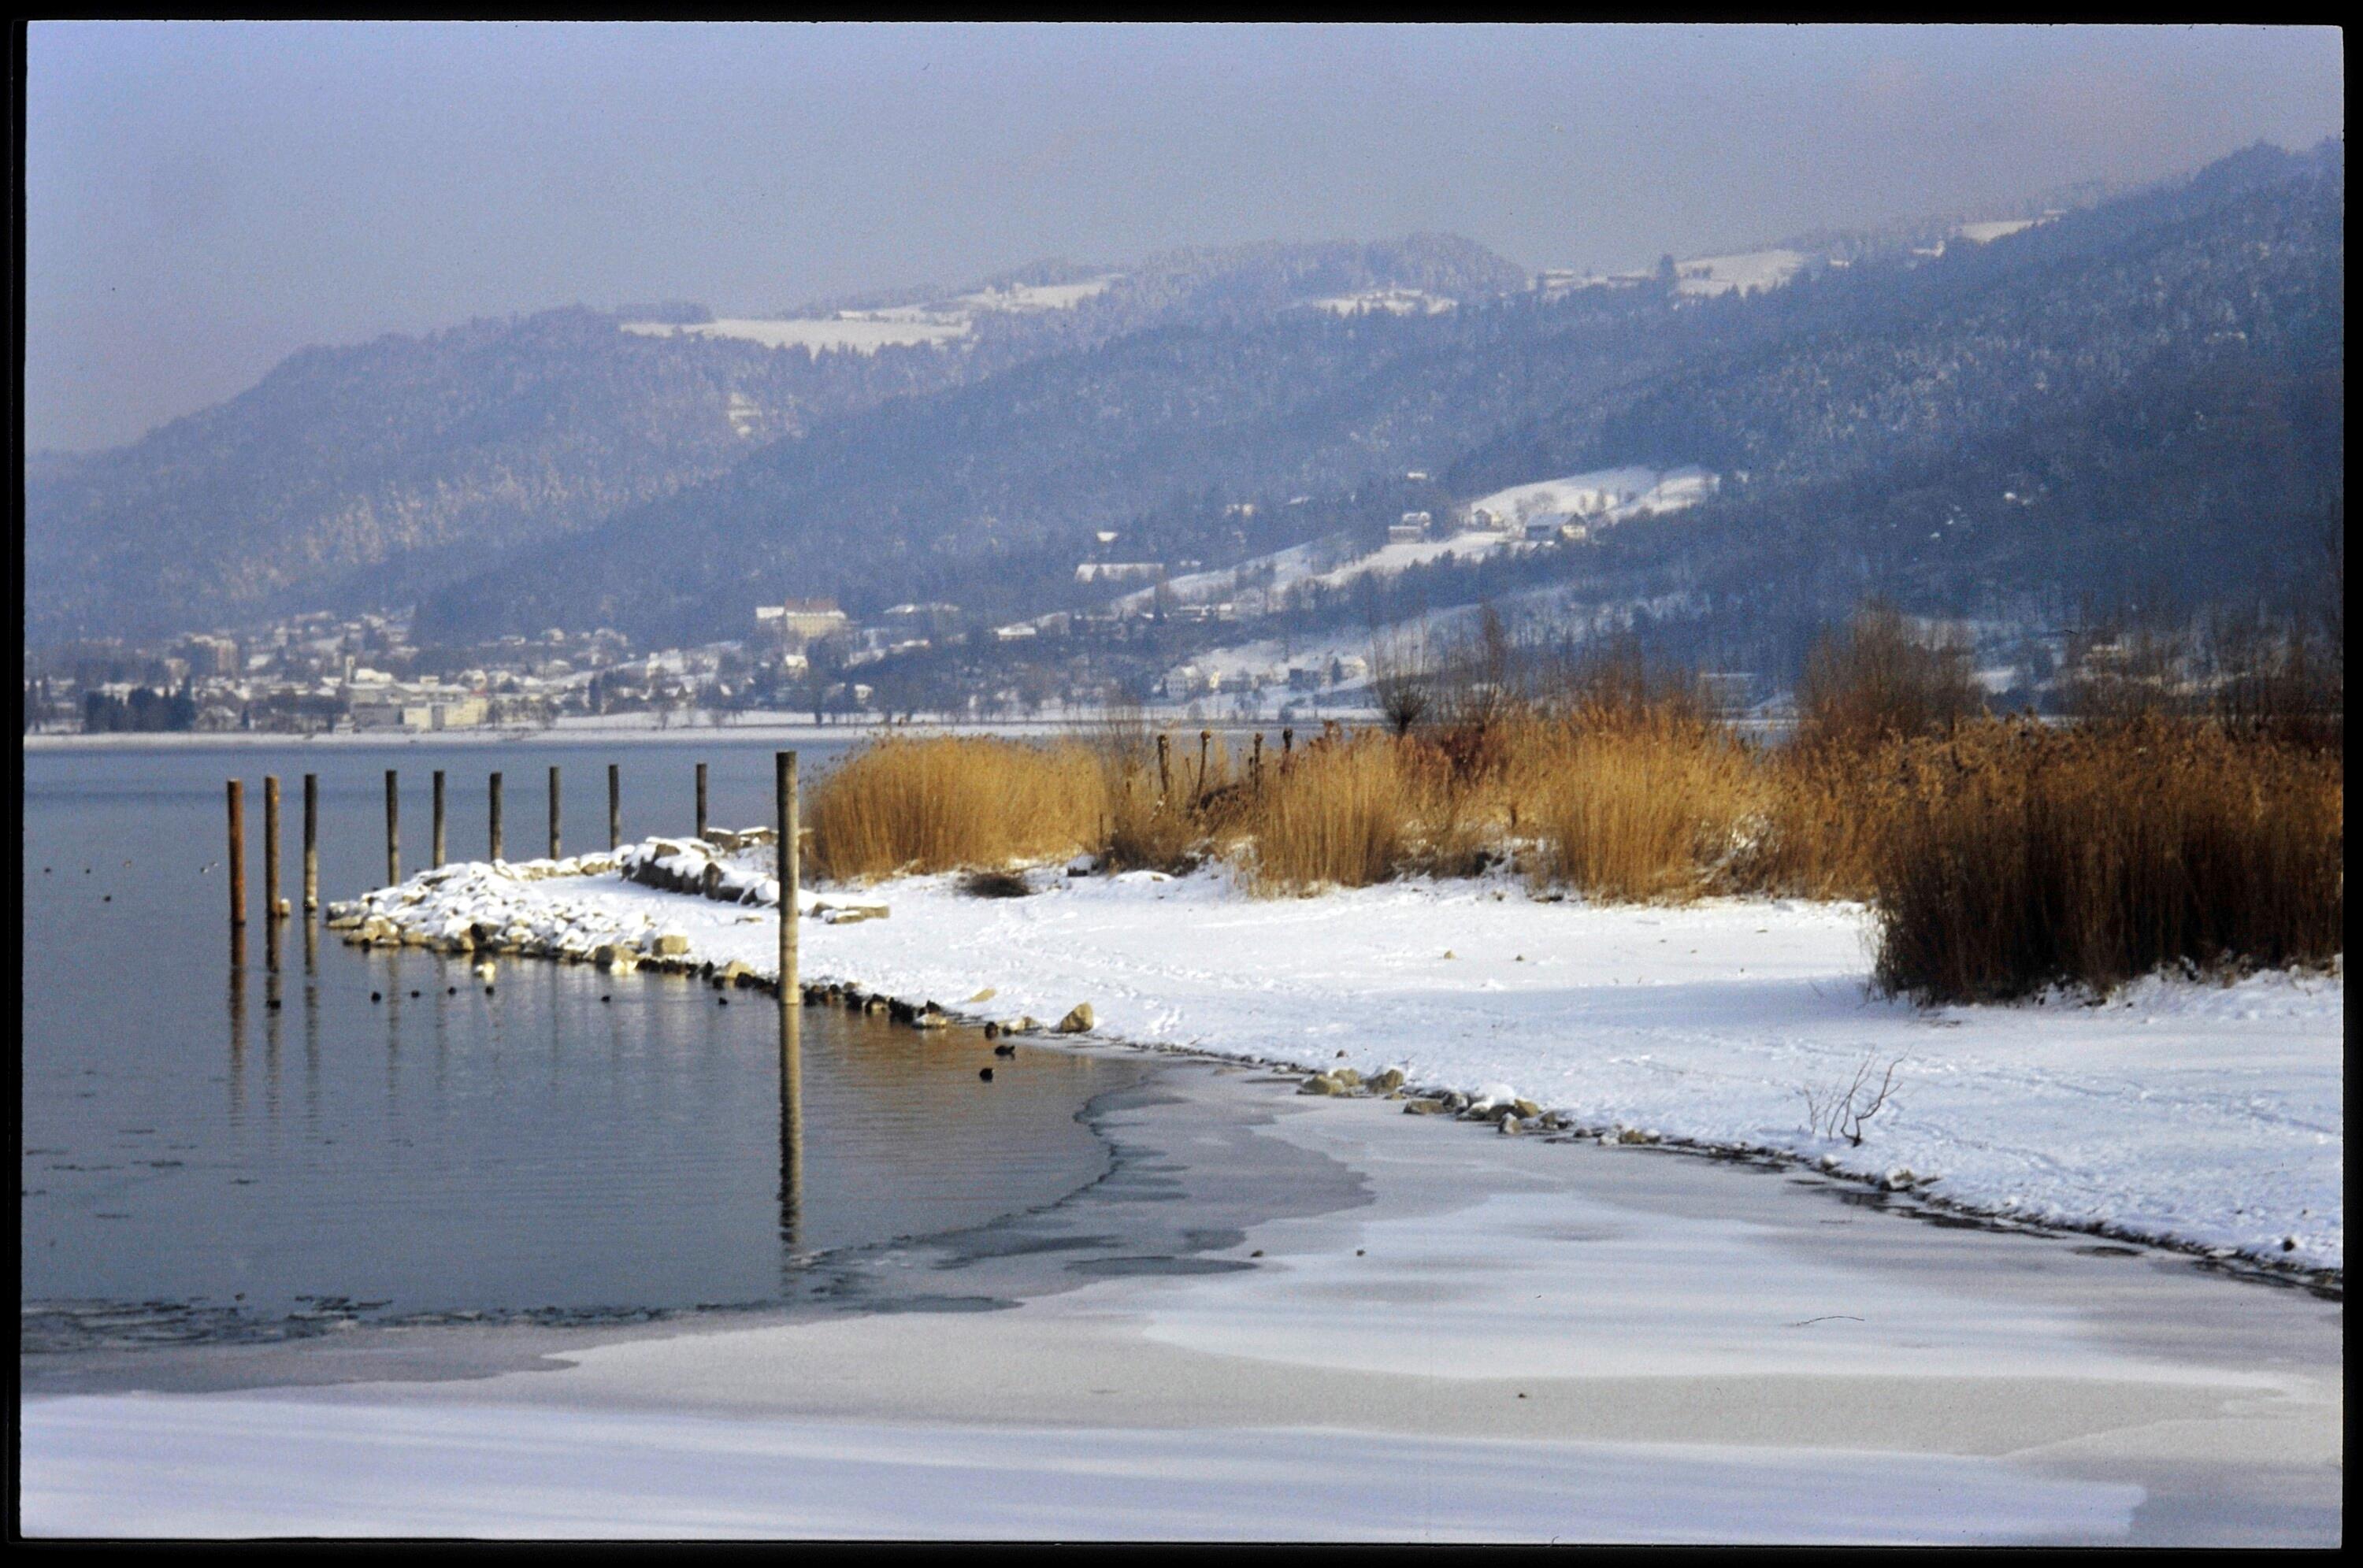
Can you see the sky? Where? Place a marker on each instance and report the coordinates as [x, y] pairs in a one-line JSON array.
[[203, 199]]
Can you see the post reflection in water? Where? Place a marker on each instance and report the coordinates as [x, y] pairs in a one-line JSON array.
[[791, 1125], [311, 1024], [271, 1001], [236, 1022]]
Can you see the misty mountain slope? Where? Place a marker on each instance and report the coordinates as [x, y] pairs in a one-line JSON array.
[[362, 477], [907, 500], [489, 435], [2053, 408]]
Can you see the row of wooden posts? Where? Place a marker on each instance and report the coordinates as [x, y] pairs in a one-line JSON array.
[[784, 804], [1206, 740]]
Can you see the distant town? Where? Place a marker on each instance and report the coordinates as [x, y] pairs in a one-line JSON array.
[[802, 659]]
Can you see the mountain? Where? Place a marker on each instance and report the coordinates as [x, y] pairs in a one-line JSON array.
[[367, 476], [2150, 390], [2143, 393]]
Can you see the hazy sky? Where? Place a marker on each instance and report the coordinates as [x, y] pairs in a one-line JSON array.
[[201, 199]]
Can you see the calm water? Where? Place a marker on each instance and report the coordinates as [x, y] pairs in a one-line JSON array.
[[198, 1162]]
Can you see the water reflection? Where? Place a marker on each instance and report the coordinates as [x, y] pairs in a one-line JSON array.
[[791, 1126], [237, 1024], [621, 1161]]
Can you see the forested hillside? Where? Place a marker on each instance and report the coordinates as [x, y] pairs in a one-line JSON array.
[[2144, 393]]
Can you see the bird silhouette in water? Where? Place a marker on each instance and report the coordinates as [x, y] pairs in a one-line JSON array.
[[1005, 1050], [986, 1073]]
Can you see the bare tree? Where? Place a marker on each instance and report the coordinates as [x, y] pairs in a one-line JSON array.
[[1402, 676]]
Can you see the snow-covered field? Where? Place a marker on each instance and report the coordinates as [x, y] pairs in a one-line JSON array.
[[1394, 301], [1998, 228], [1608, 495], [1030, 297], [862, 333], [2203, 1114], [1748, 272]]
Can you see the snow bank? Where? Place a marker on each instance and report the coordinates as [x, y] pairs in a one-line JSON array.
[[2197, 1113]]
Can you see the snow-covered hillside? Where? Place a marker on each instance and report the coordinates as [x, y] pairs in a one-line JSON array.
[[1599, 495], [867, 331], [1748, 272], [864, 333], [1395, 302]]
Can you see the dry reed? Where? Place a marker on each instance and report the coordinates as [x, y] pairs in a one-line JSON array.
[[948, 804], [2022, 858], [1644, 805], [2002, 856]]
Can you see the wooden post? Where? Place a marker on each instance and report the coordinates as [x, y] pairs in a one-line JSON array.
[[311, 841], [1255, 765], [1164, 769], [271, 847], [553, 811], [1287, 744], [393, 831], [439, 816], [701, 800], [1205, 737], [495, 817], [236, 862], [614, 806], [784, 790]]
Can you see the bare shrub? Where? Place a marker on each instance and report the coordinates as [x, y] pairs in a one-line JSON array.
[[1841, 1110], [1872, 680], [1402, 677]]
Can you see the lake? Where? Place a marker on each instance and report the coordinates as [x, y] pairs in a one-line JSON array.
[[220, 1146]]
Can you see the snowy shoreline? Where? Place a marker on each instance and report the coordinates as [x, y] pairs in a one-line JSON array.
[[2196, 1115]]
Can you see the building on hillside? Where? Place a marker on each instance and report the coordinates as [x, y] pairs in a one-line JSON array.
[[935, 619], [1411, 530], [800, 621], [214, 656], [446, 713]]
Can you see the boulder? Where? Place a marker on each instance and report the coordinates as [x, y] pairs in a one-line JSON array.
[[1388, 1081], [670, 944], [1077, 1020], [1526, 1109], [1321, 1083]]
